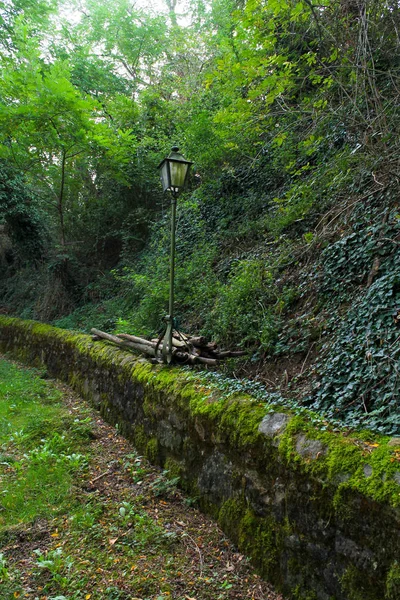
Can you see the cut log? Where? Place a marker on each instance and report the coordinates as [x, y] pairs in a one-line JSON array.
[[140, 348], [193, 351], [125, 343], [176, 343], [199, 341], [138, 340], [178, 335], [106, 336], [230, 353], [179, 343], [206, 361], [190, 358], [212, 346]]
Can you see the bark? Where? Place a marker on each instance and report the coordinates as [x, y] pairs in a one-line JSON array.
[[60, 202], [198, 341], [134, 338], [124, 343], [183, 352]]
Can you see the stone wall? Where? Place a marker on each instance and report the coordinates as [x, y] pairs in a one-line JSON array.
[[317, 512]]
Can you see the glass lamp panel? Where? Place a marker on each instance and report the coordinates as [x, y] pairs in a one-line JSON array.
[[165, 179], [178, 173]]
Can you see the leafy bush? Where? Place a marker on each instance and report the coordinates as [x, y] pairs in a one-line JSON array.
[[241, 312]]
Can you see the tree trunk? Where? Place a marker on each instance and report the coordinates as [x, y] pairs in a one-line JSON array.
[[60, 203]]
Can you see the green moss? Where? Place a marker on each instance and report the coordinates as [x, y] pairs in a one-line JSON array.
[[357, 586], [287, 442], [352, 463], [343, 504], [76, 381], [393, 582], [142, 372], [139, 438], [230, 515], [259, 538], [152, 450], [299, 593], [152, 406], [299, 570], [240, 420], [366, 466], [344, 459], [173, 468]]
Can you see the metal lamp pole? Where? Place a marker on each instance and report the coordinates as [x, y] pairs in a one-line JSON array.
[[167, 341], [174, 173]]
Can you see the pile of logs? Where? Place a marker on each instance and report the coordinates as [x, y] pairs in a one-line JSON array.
[[186, 349]]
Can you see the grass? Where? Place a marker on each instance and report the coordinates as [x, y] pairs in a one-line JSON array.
[[83, 516], [25, 398], [37, 459]]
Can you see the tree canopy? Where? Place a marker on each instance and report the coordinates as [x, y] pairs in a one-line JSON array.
[[289, 110]]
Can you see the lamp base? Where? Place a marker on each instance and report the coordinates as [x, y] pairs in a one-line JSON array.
[[167, 340]]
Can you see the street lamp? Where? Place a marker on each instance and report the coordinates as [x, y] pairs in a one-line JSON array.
[[174, 172]]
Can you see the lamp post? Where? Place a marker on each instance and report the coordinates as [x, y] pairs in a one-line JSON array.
[[174, 171]]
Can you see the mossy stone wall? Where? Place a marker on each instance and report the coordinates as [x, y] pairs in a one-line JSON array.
[[317, 512]]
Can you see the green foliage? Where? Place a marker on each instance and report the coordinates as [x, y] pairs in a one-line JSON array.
[[104, 315], [358, 376], [287, 111], [25, 222], [165, 485], [53, 561], [39, 479], [241, 310], [393, 582], [4, 572]]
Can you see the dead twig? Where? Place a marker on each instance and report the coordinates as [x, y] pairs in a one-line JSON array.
[[371, 193], [100, 476], [184, 535], [306, 358]]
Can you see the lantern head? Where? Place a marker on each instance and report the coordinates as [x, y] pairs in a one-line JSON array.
[[174, 172]]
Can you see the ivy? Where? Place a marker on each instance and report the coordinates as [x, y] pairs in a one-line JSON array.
[[359, 378], [358, 372]]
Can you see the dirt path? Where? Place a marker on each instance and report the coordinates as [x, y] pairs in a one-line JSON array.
[[129, 535]]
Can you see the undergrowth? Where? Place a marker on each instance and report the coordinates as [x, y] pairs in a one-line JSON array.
[[40, 447], [83, 515], [303, 273]]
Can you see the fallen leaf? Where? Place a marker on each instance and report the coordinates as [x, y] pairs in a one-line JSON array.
[[112, 541]]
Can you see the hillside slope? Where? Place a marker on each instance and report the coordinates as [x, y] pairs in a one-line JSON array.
[[288, 236]]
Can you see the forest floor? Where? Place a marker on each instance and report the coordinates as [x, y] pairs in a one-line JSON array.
[[83, 516]]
